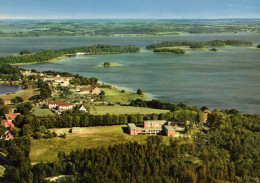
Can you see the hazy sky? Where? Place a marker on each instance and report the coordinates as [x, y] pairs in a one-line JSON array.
[[133, 9]]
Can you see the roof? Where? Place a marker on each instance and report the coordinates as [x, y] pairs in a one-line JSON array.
[[11, 116], [89, 89], [58, 102], [66, 104], [59, 131], [169, 127], [75, 128], [131, 125], [155, 121], [82, 108], [157, 128]]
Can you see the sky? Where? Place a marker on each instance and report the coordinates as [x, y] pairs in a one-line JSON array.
[[129, 9]]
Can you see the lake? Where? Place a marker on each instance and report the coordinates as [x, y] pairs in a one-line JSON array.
[[4, 88], [225, 79]]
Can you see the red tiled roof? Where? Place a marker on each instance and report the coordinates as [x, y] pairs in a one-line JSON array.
[[5, 123], [11, 116], [56, 102]]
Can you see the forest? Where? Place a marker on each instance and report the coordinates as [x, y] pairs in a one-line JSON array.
[[228, 151], [168, 50], [47, 55], [199, 44]]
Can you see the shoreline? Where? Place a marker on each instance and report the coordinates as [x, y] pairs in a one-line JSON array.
[[52, 60]]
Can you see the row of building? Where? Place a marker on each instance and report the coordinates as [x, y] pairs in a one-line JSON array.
[[64, 106], [155, 127]]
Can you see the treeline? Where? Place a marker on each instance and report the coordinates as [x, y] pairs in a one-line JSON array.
[[199, 44], [9, 73], [228, 152], [47, 55], [168, 50]]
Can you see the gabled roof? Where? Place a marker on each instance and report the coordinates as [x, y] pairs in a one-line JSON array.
[[132, 125], [58, 102], [11, 116]]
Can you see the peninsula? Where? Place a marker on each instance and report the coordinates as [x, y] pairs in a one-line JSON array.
[[55, 55]]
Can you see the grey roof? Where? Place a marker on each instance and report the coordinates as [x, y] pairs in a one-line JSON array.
[[59, 131], [131, 125], [76, 128], [155, 121], [158, 128]]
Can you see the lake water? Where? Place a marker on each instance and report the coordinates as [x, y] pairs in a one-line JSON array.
[[225, 79], [9, 89]]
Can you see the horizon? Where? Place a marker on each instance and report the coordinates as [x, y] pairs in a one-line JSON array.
[[134, 9]]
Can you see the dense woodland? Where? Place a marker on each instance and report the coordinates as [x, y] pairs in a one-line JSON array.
[[9, 73], [229, 151], [47, 55], [168, 50], [200, 44]]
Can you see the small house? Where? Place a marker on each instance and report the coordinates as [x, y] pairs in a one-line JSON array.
[[83, 109]]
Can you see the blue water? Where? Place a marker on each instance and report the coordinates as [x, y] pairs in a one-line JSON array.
[[225, 79], [4, 88]]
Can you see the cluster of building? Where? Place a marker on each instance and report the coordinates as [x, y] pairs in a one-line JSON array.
[[155, 127], [90, 90], [63, 81], [9, 125], [64, 106]]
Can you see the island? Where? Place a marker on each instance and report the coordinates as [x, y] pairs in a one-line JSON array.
[[169, 50], [55, 55], [213, 49], [199, 44]]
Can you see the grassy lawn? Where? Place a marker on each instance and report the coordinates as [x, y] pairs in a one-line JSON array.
[[89, 137], [114, 95], [100, 110], [25, 94], [37, 111]]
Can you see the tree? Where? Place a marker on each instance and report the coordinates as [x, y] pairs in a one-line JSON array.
[[2, 102], [27, 130], [3, 110], [258, 46], [140, 91], [23, 52], [2, 130]]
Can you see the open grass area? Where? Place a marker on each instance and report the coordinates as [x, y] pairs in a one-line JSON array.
[[38, 111], [115, 96], [25, 94], [101, 110], [89, 137]]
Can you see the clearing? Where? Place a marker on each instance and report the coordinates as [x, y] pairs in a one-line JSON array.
[[38, 111], [101, 110], [115, 96], [89, 137]]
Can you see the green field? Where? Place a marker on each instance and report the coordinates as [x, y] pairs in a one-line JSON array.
[[101, 110], [37, 111], [89, 137], [115, 96]]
